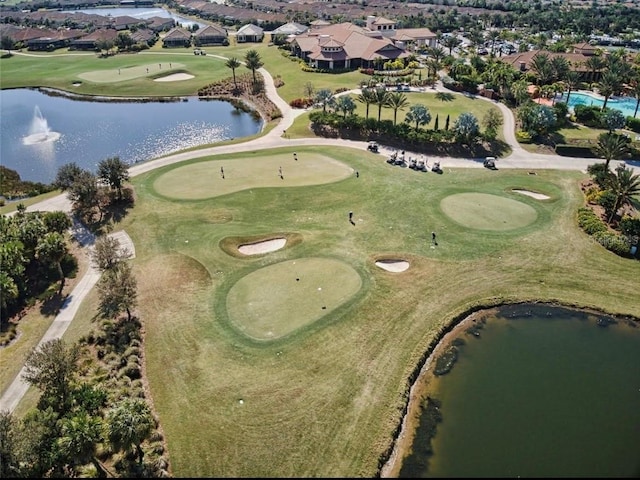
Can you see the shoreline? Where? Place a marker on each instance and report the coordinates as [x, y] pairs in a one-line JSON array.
[[392, 462]]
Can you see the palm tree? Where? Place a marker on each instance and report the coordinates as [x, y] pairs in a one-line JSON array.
[[611, 146], [253, 62], [397, 101], [609, 84], [418, 114], [594, 63], [128, 425], [571, 82], [625, 185], [380, 98], [325, 97], [80, 435], [636, 93], [233, 63], [541, 67], [345, 104], [560, 66], [366, 97]]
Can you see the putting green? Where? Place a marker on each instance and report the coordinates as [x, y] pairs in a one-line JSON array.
[[127, 73], [277, 300], [483, 211], [200, 180]]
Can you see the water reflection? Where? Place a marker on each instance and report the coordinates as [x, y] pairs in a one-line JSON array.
[[40, 133]]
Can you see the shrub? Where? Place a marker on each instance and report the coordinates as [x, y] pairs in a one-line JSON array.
[[523, 137], [633, 124], [618, 244]]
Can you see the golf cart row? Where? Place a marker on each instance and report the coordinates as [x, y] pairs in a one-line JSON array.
[[413, 163]]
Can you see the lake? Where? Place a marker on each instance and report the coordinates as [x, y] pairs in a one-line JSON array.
[[542, 391], [91, 131]]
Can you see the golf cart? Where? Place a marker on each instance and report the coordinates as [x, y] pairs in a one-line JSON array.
[[490, 163], [372, 147], [436, 168]]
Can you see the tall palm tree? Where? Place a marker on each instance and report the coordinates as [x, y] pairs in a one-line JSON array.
[[560, 66], [595, 63], [609, 84], [233, 63], [380, 99], [80, 436], [367, 96], [541, 67], [253, 62], [625, 185], [397, 101], [325, 97], [571, 82], [611, 146], [636, 93]]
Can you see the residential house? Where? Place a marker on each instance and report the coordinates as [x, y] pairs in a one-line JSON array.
[[522, 61], [52, 40], [250, 33], [160, 24], [177, 37], [345, 46], [144, 36], [92, 40], [125, 22], [584, 48], [211, 35]]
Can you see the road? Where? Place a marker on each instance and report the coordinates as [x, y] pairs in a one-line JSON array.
[[519, 158]]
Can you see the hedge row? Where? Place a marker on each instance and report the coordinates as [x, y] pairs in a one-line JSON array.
[[596, 228]]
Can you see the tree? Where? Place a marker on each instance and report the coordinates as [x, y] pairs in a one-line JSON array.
[[492, 119], [397, 101], [114, 172], [367, 96], [418, 115], [83, 193], [380, 98], [6, 43], [536, 119], [625, 185], [66, 175], [345, 104], [325, 98], [52, 248], [594, 63], [9, 466], [541, 67], [107, 253], [253, 62], [117, 291], [571, 82], [51, 367], [451, 42], [234, 63], [57, 221], [309, 89], [80, 437], [466, 128], [609, 84], [613, 119], [611, 146], [636, 93], [128, 425]]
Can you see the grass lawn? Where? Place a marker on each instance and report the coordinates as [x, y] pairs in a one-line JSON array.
[[251, 378]]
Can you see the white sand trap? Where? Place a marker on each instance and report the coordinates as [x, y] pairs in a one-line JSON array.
[[538, 196], [393, 265], [174, 77], [262, 247]]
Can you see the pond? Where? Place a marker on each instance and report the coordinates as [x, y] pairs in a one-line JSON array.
[[39, 132], [538, 391]]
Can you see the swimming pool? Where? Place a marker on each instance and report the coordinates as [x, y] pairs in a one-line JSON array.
[[627, 105]]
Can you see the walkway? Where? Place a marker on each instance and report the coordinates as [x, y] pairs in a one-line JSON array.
[[519, 158]]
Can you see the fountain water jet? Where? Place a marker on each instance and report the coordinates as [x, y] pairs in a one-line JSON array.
[[39, 132]]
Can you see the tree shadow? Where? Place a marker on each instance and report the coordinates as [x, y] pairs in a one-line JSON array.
[[445, 96]]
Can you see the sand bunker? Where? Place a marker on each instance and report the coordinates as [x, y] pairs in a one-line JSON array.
[[538, 196], [174, 77], [262, 247], [393, 265]]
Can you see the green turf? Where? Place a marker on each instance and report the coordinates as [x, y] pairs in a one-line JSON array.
[[200, 180], [277, 300], [487, 212], [323, 397]]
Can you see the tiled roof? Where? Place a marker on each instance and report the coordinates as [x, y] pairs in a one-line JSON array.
[[576, 59], [177, 33], [211, 31], [250, 29]]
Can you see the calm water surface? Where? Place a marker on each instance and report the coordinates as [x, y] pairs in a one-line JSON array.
[[142, 13], [542, 392], [93, 131]]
